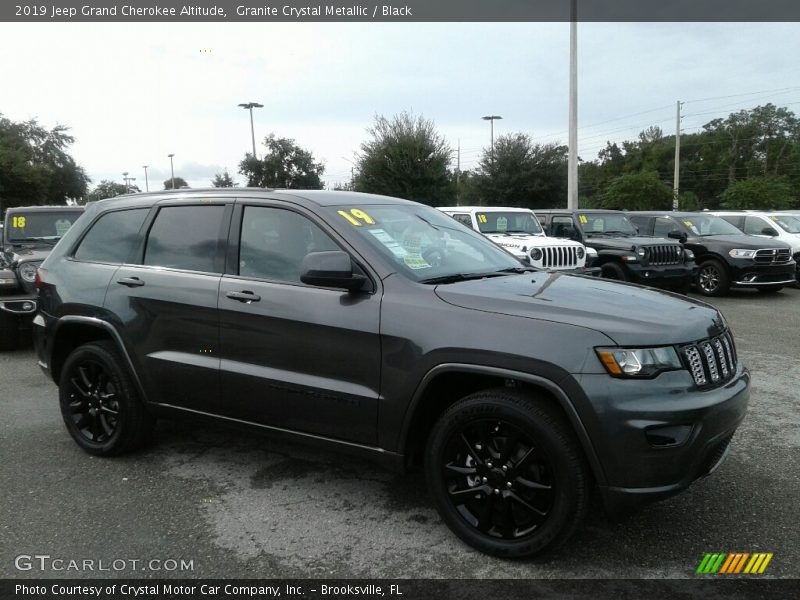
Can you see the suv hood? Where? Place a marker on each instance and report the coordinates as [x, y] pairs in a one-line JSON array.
[[746, 242], [629, 314], [12, 256], [526, 239], [626, 243]]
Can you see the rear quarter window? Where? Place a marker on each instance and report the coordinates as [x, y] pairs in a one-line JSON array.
[[112, 237]]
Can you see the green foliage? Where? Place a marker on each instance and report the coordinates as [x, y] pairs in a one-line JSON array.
[[637, 191], [407, 158], [223, 179], [109, 189], [35, 165], [180, 182], [766, 193], [285, 165], [523, 173]]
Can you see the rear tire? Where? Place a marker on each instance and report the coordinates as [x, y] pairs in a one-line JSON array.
[[9, 332], [99, 402], [507, 474], [614, 271], [713, 278]]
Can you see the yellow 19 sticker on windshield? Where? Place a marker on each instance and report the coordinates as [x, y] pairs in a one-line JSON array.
[[18, 222], [356, 216], [688, 223]]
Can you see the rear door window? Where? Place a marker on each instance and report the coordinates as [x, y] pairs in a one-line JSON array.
[[188, 238]]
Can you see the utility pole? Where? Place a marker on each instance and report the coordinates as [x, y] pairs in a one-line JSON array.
[[250, 106], [125, 179], [146, 182], [458, 174], [677, 181], [492, 119], [172, 169], [572, 177]]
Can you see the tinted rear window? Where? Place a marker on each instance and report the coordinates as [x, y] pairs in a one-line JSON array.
[[186, 237], [112, 237]]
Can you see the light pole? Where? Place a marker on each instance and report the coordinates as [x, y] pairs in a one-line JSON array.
[[172, 169], [125, 179], [491, 119], [572, 158], [146, 182], [250, 106]]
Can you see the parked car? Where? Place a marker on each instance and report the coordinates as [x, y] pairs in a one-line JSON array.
[[726, 256], [27, 238], [519, 231], [784, 227], [623, 254], [380, 326]]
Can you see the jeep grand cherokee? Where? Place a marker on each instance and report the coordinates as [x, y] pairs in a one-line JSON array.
[[385, 327]]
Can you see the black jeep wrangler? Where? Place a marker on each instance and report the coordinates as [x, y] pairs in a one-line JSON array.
[[29, 234], [622, 253], [385, 327]]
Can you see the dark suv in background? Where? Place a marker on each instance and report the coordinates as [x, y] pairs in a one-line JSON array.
[[28, 235], [385, 327], [622, 254], [726, 257]]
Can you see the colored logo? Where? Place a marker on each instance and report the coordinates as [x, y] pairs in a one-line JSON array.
[[734, 563]]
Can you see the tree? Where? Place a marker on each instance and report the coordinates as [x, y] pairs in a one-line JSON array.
[[285, 165], [109, 189], [35, 165], [637, 191], [761, 193], [523, 173], [407, 158], [223, 180], [179, 183]]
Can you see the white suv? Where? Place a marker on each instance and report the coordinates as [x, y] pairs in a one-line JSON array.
[[519, 232]]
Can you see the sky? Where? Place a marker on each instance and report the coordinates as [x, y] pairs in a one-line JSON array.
[[134, 93]]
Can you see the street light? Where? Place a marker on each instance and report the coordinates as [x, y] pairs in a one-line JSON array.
[[491, 119], [250, 106], [146, 182], [172, 169]]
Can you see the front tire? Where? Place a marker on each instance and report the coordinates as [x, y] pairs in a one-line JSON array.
[[613, 271], [506, 473], [99, 402], [713, 279]]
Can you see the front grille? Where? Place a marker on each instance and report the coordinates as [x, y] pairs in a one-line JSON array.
[[711, 362], [560, 257], [665, 254], [773, 256]]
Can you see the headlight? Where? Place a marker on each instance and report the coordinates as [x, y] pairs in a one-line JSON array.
[[688, 254], [28, 272], [536, 254], [590, 251], [7, 278], [629, 258], [641, 252], [581, 253], [742, 253], [640, 362]]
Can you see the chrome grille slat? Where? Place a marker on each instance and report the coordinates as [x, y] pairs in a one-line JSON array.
[[712, 361]]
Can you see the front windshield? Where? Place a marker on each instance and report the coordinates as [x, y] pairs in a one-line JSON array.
[[788, 223], [424, 243], [508, 222], [705, 225], [606, 223], [38, 226]]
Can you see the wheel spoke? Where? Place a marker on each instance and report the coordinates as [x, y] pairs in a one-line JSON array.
[[509, 445], [451, 468], [480, 489], [486, 433], [83, 392], [85, 377], [485, 520], [109, 411], [472, 452], [534, 485], [521, 462], [107, 428], [77, 406], [514, 496], [96, 428]]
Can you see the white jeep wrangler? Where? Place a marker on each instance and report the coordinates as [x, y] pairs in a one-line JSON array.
[[519, 232]]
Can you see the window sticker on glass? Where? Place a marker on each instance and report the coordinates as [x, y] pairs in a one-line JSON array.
[[583, 219], [774, 218], [416, 262], [483, 219], [391, 244], [18, 222], [62, 226], [688, 223], [357, 217], [502, 223]]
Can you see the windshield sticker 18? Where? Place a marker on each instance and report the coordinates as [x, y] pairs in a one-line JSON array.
[[18, 222]]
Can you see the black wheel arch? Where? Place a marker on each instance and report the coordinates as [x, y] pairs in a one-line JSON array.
[[462, 379]]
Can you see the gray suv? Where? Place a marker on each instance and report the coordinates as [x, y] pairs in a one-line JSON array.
[[385, 327]]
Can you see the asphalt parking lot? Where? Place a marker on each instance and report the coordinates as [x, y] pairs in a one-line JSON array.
[[257, 507]]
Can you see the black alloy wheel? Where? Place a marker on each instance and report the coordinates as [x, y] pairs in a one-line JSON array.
[[497, 479], [99, 402], [712, 279]]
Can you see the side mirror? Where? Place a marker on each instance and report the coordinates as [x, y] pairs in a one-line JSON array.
[[677, 235], [330, 269], [769, 231]]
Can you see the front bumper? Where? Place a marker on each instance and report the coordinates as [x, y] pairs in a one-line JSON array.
[[653, 438], [663, 275], [19, 304], [764, 275]]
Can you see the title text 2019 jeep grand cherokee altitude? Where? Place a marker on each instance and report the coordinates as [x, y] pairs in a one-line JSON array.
[[385, 326]]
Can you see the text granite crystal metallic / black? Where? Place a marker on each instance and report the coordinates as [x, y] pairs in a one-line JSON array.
[[384, 327], [28, 235]]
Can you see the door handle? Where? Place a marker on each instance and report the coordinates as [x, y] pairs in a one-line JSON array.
[[131, 282], [245, 296]]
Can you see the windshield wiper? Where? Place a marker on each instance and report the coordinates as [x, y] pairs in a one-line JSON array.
[[521, 231], [615, 232], [518, 270], [456, 277]]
